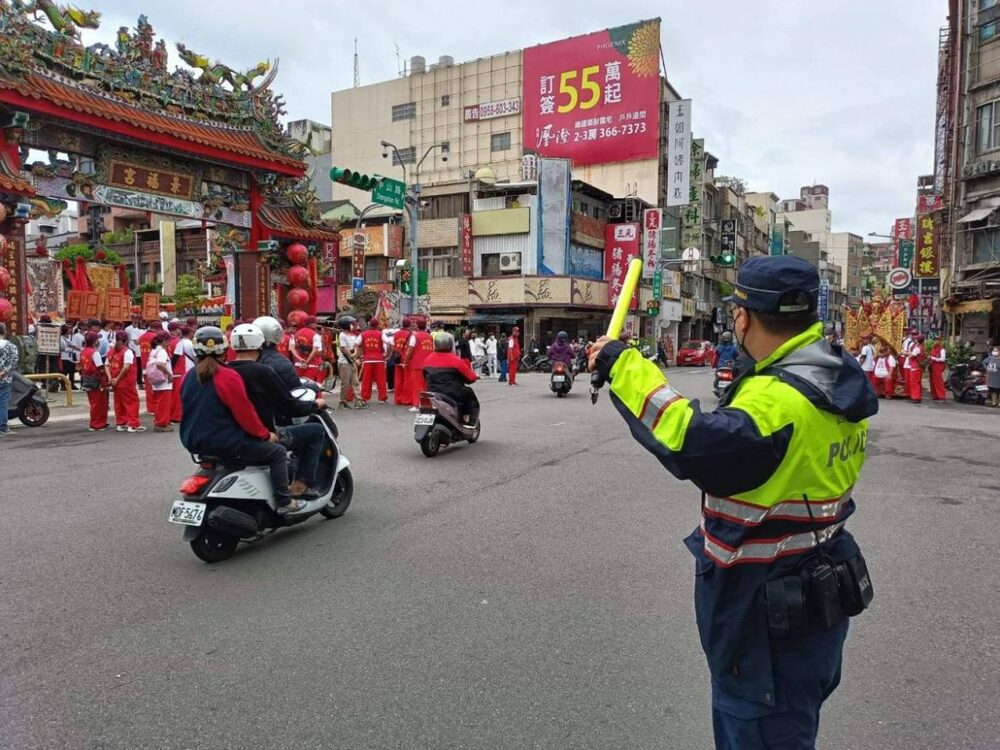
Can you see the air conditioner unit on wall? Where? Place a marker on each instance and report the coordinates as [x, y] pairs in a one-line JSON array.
[[510, 261], [616, 210]]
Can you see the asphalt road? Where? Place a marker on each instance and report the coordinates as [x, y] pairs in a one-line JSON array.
[[530, 591]]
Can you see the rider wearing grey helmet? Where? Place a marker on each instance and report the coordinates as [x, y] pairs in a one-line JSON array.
[[270, 356]]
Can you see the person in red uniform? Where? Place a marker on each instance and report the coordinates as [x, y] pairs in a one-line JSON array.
[[938, 360], [912, 366], [182, 360], [513, 355], [92, 370], [145, 347], [284, 346], [448, 374], [121, 370], [401, 393], [418, 349], [373, 363]]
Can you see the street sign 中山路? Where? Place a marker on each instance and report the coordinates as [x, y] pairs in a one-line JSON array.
[[389, 192]]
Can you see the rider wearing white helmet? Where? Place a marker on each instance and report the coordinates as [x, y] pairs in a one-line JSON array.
[[272, 400], [272, 330]]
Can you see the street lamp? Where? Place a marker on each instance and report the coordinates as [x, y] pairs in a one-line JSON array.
[[413, 208]]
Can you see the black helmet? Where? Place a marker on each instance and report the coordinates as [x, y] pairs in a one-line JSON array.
[[345, 323], [210, 341]]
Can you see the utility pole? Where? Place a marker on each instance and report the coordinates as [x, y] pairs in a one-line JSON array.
[[357, 70], [412, 213]]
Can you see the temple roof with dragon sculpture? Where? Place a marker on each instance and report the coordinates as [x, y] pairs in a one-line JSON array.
[[210, 112]]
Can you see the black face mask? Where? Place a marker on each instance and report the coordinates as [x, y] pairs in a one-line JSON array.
[[741, 342]]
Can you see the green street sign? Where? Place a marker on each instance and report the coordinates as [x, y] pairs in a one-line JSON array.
[[390, 193], [657, 287], [905, 253]]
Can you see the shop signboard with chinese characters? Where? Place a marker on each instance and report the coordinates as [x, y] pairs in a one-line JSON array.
[[594, 99], [823, 303], [671, 282], [927, 262], [679, 153], [621, 246], [905, 253], [929, 203], [465, 235], [778, 238], [385, 240], [902, 229], [693, 230], [652, 221]]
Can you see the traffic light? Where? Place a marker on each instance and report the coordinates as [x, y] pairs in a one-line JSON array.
[[354, 179], [724, 259]]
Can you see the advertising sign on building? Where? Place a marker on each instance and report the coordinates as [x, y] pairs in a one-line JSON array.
[[652, 220], [489, 110], [621, 245], [927, 262], [671, 284], [466, 244], [595, 98], [679, 153], [905, 254], [778, 238], [824, 299], [331, 256], [692, 235], [929, 203]]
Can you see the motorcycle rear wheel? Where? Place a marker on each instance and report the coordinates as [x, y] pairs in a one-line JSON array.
[[212, 546], [431, 444], [475, 434], [32, 414], [343, 491]]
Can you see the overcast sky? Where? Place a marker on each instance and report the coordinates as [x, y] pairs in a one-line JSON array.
[[785, 93]]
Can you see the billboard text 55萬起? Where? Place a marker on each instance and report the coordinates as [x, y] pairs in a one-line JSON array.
[[595, 99]]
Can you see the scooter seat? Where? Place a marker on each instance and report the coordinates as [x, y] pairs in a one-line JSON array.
[[447, 399], [229, 463]]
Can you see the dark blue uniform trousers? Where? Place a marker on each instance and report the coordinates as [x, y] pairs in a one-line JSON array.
[[806, 671]]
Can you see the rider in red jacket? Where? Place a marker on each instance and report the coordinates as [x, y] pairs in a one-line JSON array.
[[450, 375]]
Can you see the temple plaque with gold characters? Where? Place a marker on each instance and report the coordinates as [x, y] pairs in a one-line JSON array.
[[882, 319], [123, 174]]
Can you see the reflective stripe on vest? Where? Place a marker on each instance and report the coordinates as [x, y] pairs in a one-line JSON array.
[[748, 514], [655, 404], [766, 550]]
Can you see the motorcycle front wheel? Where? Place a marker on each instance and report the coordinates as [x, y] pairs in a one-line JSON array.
[[32, 414], [212, 546], [343, 491]]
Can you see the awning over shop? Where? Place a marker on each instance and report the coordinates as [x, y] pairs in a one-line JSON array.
[[976, 214], [972, 306], [495, 318]]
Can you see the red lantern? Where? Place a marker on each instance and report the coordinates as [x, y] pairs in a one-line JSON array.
[[298, 299], [298, 276], [6, 310], [297, 254], [296, 318], [101, 256], [5, 278]]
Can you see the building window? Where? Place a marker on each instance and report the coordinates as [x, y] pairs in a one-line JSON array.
[[986, 246], [406, 111], [344, 271], [375, 270], [404, 156], [445, 147], [445, 100], [984, 4], [500, 142], [988, 31], [440, 262], [988, 126]]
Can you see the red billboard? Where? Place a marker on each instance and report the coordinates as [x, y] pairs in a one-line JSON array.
[[621, 245], [595, 99]]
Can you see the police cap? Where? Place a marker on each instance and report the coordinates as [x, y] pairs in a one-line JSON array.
[[776, 284]]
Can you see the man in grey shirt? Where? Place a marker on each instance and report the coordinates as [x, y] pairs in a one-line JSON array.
[[992, 366]]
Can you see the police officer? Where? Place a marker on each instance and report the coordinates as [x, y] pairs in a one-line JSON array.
[[777, 574]]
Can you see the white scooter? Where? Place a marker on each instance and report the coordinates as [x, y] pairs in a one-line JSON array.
[[224, 504]]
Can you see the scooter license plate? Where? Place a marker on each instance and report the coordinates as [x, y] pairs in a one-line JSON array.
[[982, 388], [423, 420], [558, 378], [187, 513]]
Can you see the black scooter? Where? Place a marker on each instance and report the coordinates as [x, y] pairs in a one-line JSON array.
[[967, 383], [27, 402], [561, 380], [439, 424]]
